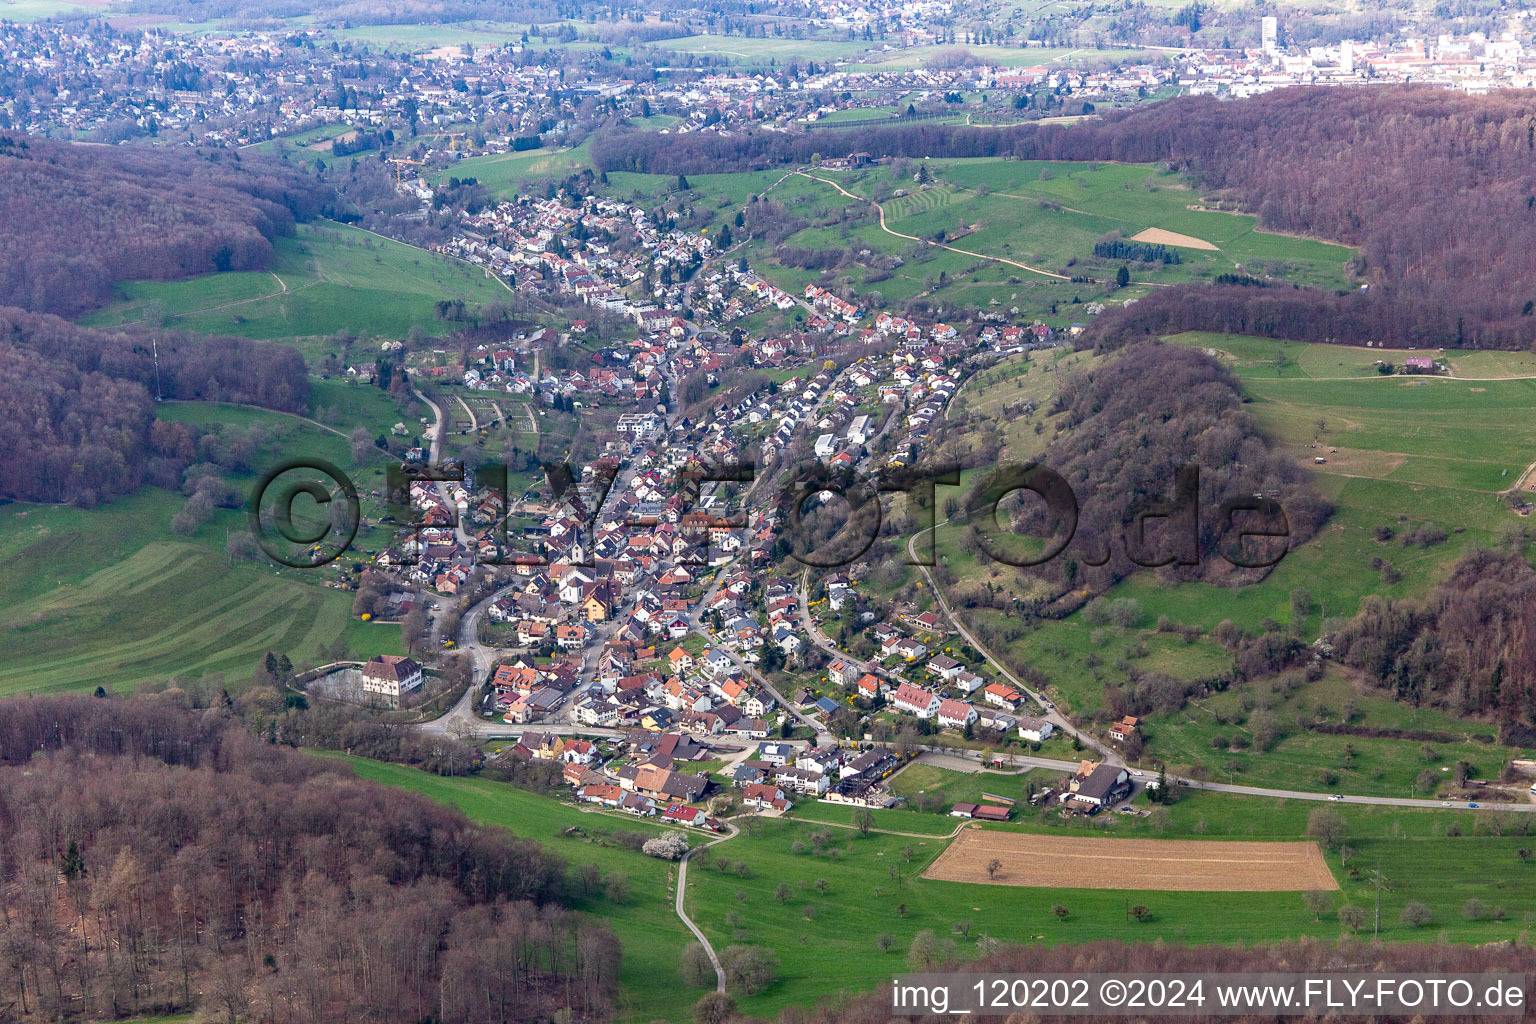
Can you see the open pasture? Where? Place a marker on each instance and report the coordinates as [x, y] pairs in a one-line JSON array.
[[759, 49], [110, 597], [1271, 358], [1038, 214], [327, 278], [501, 173]]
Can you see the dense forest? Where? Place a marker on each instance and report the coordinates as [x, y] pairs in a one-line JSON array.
[[1469, 647], [77, 404], [156, 860], [1130, 426], [1350, 165], [79, 218]]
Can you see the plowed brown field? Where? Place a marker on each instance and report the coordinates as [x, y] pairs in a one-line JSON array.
[[1158, 236], [1175, 865]]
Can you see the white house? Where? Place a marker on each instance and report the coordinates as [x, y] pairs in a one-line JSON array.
[[915, 700], [955, 714], [1036, 730], [391, 676]]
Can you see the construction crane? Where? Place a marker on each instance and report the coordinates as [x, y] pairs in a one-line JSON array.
[[398, 162]]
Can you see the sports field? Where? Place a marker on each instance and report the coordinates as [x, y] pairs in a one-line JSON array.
[[1166, 865]]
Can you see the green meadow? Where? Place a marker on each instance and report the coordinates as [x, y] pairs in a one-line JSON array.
[[1004, 56], [476, 33], [37, 10], [1043, 215], [961, 787], [309, 146], [329, 277], [503, 173], [844, 891], [757, 49], [1401, 452], [1048, 213], [650, 932], [112, 597], [344, 405], [873, 889]]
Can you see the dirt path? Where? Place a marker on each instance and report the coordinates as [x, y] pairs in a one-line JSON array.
[[262, 408], [682, 892], [282, 289], [1521, 479], [938, 245], [952, 833]]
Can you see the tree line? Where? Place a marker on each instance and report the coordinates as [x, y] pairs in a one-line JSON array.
[[1130, 426], [77, 405], [1469, 647], [1148, 958], [157, 860], [80, 218], [1349, 165]]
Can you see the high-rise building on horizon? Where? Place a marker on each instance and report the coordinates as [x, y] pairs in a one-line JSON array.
[[1269, 33]]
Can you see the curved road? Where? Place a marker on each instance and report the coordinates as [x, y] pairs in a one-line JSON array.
[[1056, 718], [924, 241], [682, 892]]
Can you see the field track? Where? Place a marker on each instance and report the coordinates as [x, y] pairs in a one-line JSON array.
[[913, 238], [1170, 865]]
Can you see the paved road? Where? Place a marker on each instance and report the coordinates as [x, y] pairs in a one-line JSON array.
[[439, 431], [461, 719], [755, 675], [1107, 754], [824, 643], [1380, 801]]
